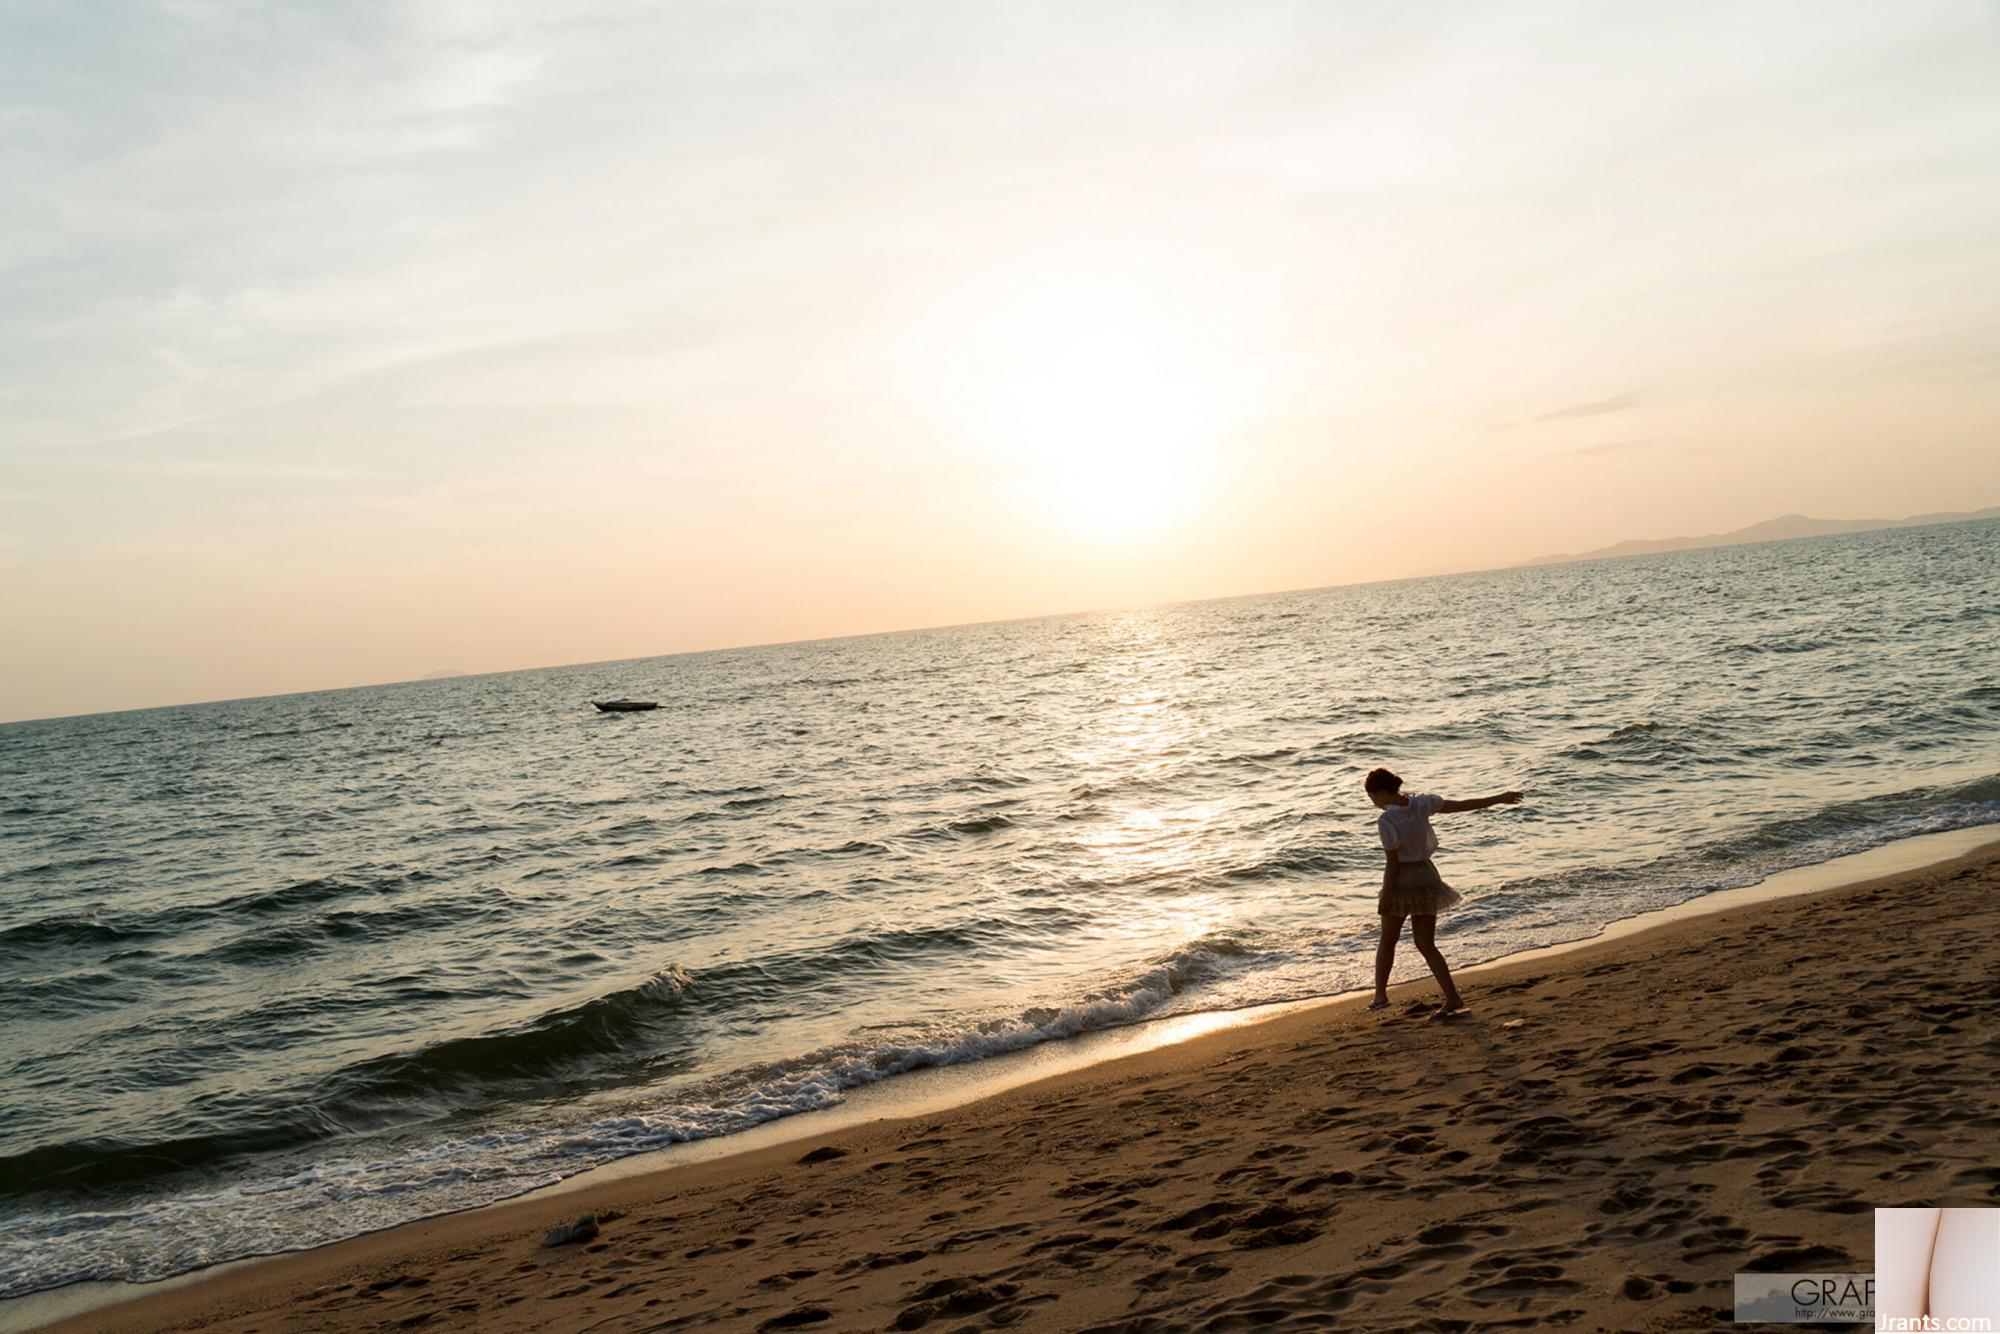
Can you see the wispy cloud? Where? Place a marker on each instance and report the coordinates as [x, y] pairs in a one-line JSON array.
[[1612, 446], [229, 470], [1599, 407]]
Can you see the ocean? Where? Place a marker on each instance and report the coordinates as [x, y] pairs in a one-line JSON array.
[[279, 971]]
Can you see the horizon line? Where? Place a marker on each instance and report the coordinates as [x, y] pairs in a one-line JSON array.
[[1536, 563]]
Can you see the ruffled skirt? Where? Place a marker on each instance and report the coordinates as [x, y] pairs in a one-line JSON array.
[[1419, 891]]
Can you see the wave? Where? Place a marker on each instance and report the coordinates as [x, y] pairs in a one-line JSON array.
[[540, 1058], [1127, 787], [984, 781], [1795, 642], [69, 993], [1116, 1003], [1851, 825], [1321, 857], [32, 938], [980, 824], [296, 731], [1260, 757], [303, 1203], [1653, 742], [563, 1053], [98, 928], [1750, 855], [765, 865], [960, 827], [55, 870], [271, 945], [306, 894]]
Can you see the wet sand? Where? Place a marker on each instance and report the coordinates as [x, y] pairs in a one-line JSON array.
[[1614, 1133]]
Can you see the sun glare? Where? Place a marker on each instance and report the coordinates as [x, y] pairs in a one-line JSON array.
[[1095, 402], [1108, 434]]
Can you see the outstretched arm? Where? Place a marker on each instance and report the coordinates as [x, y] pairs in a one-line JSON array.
[[1481, 803]]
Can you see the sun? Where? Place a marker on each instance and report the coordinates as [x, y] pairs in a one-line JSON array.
[[1093, 405], [1106, 432]]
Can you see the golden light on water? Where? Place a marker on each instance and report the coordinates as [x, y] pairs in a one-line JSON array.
[[1140, 736]]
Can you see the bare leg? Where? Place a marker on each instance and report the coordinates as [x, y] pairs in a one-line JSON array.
[[1903, 1242], [1965, 1266], [1421, 927], [1385, 959]]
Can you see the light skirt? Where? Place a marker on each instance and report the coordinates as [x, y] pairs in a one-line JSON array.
[[1419, 891]]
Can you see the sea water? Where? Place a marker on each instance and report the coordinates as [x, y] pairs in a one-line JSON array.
[[279, 971]]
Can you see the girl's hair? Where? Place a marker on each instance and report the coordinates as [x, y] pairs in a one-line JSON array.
[[1381, 780]]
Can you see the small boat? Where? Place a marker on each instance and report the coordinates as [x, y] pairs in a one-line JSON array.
[[624, 705]]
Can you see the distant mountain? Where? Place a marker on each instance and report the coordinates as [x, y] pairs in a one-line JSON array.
[[1771, 530], [441, 676]]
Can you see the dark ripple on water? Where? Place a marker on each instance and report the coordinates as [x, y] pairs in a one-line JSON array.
[[281, 970]]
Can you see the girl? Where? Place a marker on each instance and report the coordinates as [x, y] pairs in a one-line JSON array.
[[1411, 886]]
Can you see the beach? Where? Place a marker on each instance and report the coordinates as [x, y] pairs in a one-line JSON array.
[[282, 972], [1615, 1132]]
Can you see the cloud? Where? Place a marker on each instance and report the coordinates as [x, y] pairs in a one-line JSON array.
[[1612, 446], [235, 470], [1595, 408]]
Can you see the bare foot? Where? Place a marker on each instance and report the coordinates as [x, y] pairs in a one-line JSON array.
[[1379, 1003], [1445, 1013]]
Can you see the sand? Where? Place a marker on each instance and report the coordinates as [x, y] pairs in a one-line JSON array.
[[1614, 1134]]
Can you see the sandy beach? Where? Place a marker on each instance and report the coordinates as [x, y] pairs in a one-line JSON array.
[[1614, 1133]]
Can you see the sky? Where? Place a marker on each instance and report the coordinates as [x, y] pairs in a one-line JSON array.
[[345, 343]]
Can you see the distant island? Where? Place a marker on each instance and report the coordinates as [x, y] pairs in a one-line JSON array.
[[1771, 530], [441, 676]]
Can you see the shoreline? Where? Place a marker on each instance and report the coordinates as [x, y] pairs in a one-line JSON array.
[[1138, 1052], [933, 1089]]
